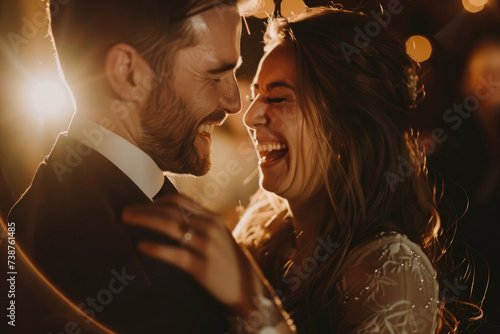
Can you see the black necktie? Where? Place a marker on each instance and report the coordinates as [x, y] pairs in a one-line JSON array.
[[167, 188]]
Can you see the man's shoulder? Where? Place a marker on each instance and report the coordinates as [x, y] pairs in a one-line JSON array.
[[70, 227], [72, 172], [71, 205], [56, 193]]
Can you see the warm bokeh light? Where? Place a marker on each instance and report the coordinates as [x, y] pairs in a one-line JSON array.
[[292, 7], [288, 8], [46, 96], [419, 48], [474, 6], [478, 3], [267, 11]]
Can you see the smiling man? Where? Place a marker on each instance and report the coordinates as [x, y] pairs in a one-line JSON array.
[[150, 80]]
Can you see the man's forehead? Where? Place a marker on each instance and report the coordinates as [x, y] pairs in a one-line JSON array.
[[207, 5], [223, 17], [198, 23], [216, 48], [218, 33]]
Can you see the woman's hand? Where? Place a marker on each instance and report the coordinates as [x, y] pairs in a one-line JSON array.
[[206, 250]]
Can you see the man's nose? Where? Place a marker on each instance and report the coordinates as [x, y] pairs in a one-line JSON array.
[[230, 100]]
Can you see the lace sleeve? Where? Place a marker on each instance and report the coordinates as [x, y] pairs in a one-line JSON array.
[[389, 286]]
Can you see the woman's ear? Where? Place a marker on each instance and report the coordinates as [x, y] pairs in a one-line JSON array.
[[127, 73]]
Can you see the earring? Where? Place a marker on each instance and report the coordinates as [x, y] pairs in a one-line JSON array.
[[340, 149]]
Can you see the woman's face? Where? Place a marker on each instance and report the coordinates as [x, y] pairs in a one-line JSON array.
[[278, 129]]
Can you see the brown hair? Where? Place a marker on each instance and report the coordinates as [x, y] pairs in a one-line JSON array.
[[83, 30], [356, 99]]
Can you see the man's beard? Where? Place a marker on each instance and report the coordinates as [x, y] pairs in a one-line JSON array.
[[169, 133]]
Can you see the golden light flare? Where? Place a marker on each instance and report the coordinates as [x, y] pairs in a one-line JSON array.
[[46, 96], [474, 6], [478, 2], [419, 48], [291, 8], [288, 8], [267, 11]]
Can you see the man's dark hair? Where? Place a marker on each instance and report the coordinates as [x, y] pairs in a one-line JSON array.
[[84, 30]]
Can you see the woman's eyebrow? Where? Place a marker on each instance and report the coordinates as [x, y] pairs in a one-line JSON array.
[[274, 85]]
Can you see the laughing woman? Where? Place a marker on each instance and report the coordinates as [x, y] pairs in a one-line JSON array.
[[346, 227]]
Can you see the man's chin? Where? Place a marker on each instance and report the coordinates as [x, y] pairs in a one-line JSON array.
[[198, 169], [186, 164], [201, 169]]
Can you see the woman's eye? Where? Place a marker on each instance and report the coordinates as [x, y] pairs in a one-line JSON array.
[[276, 100], [251, 99]]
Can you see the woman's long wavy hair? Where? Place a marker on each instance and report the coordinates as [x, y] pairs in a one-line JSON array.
[[357, 95]]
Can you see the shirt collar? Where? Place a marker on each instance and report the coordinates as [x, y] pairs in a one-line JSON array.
[[130, 159]]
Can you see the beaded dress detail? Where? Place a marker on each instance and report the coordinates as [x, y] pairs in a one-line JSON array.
[[388, 286]]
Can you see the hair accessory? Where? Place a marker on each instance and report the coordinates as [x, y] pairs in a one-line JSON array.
[[411, 82]]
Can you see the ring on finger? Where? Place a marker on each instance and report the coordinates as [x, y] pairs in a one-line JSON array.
[[186, 238]]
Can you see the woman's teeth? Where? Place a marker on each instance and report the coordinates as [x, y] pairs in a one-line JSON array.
[[206, 129], [271, 151], [270, 147]]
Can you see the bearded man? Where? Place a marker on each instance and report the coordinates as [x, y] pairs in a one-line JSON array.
[[150, 80]]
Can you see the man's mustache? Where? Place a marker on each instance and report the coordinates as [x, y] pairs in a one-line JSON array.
[[218, 117]]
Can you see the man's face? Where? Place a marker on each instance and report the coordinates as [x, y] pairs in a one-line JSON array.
[[180, 115]]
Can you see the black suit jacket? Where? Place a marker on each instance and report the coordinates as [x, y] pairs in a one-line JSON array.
[[69, 224]]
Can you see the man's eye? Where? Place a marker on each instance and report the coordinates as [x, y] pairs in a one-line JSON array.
[[276, 100]]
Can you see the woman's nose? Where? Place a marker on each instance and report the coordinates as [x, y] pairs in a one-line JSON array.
[[255, 114]]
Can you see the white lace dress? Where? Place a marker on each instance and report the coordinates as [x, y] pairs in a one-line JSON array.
[[388, 286]]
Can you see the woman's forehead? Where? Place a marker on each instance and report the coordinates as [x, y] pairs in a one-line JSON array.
[[277, 65]]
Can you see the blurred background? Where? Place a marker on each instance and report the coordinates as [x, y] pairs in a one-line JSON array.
[[456, 42]]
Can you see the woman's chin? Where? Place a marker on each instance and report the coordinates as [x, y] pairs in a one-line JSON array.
[[274, 186]]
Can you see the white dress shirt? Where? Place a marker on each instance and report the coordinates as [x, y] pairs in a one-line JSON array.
[[130, 159]]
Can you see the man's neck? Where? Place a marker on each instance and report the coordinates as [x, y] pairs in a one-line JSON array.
[[108, 139], [118, 118]]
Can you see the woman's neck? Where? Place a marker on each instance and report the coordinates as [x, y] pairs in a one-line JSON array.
[[307, 217]]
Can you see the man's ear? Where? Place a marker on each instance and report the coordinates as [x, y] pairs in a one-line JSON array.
[[127, 73]]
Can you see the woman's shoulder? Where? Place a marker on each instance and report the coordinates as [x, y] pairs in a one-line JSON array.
[[388, 275], [388, 249], [388, 253]]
